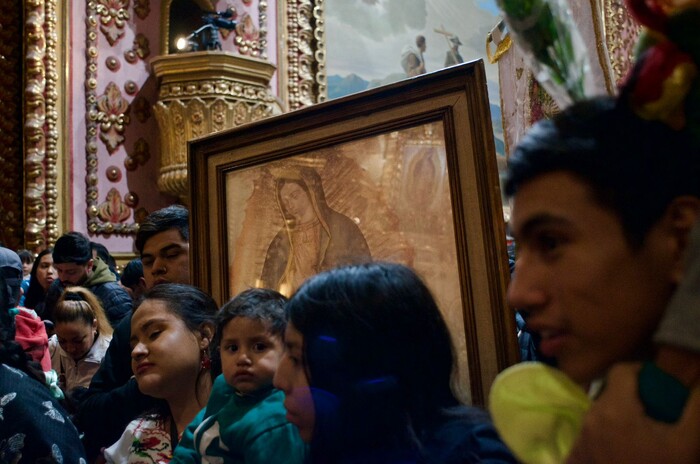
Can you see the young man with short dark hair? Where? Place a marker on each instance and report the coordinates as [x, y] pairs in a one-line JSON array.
[[603, 205], [75, 265]]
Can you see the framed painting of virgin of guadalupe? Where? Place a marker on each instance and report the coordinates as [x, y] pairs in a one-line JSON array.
[[404, 173]]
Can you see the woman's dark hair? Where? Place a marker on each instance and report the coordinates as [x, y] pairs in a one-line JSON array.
[[35, 293], [379, 358], [633, 166]]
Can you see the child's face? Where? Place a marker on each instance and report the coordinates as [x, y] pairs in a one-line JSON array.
[[593, 299], [250, 354]]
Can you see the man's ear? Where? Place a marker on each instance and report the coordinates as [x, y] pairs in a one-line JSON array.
[[90, 265], [681, 214]]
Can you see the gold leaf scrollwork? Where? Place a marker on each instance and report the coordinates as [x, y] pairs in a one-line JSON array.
[[41, 122], [114, 209], [247, 35], [113, 16], [112, 117], [140, 155], [621, 33], [142, 8]]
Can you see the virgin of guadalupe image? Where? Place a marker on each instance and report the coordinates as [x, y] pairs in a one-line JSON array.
[[314, 238]]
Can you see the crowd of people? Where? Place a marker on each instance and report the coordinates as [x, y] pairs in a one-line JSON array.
[[355, 367]]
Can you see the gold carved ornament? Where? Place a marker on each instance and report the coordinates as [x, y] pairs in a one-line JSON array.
[[105, 117], [41, 124], [621, 34], [305, 53], [201, 93]]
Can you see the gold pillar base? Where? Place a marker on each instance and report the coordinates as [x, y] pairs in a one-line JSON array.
[[204, 92]]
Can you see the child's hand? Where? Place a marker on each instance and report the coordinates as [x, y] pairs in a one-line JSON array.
[[617, 430]]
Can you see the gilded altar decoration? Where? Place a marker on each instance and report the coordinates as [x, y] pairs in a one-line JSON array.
[[41, 126], [305, 54], [113, 16], [112, 117], [247, 35], [112, 63], [106, 118], [621, 33], [142, 8], [201, 93], [131, 87], [114, 209], [139, 157], [141, 109], [141, 47], [131, 199], [262, 36], [113, 173]]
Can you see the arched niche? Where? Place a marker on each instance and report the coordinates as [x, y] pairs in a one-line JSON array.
[[180, 17]]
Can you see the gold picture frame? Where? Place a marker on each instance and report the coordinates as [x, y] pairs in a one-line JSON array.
[[405, 173]]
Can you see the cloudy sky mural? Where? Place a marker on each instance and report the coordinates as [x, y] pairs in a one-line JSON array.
[[366, 37]]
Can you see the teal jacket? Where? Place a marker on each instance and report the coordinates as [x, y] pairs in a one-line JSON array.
[[233, 428]]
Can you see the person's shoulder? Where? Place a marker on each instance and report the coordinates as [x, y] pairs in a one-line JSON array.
[[467, 432], [10, 374], [111, 286]]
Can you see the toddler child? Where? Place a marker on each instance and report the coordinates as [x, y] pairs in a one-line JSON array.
[[245, 419]]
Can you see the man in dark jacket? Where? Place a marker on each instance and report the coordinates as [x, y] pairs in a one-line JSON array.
[[114, 398], [75, 265]]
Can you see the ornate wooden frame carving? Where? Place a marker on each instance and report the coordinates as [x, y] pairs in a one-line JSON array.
[[448, 109]]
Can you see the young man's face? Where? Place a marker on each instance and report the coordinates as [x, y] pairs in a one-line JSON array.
[[250, 354], [592, 298], [166, 259], [73, 273]]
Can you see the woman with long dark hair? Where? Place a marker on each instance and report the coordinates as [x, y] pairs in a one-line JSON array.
[[367, 373], [171, 333], [41, 277]]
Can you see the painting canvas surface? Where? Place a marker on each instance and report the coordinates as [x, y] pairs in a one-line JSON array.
[[384, 197]]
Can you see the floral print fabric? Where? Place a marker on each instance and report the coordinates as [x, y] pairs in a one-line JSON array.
[[33, 427], [145, 441]]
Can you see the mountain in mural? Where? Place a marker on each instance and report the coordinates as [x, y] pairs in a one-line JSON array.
[[339, 86]]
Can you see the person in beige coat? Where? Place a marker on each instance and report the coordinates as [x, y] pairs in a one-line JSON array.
[[83, 334]]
